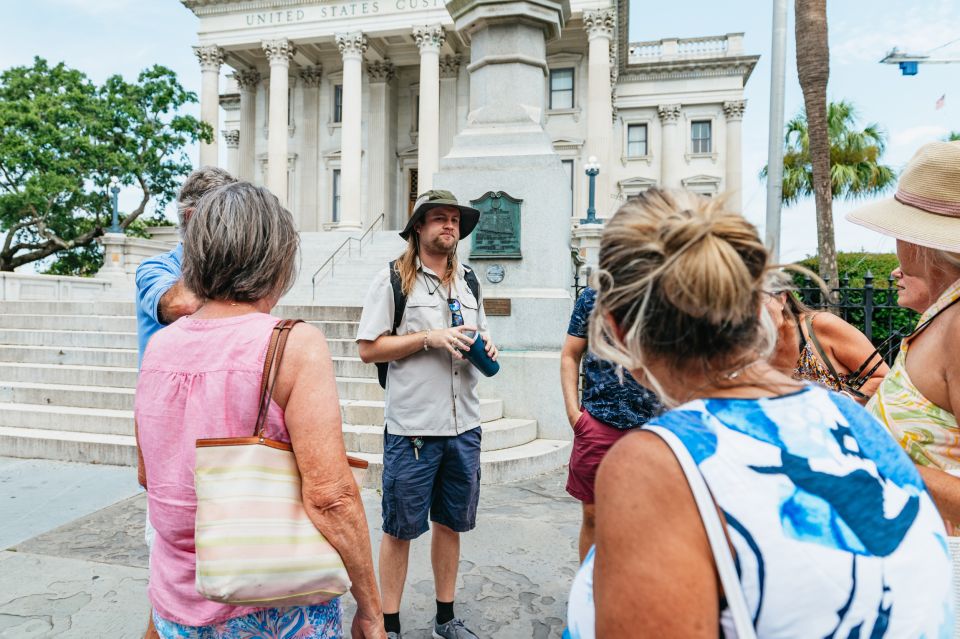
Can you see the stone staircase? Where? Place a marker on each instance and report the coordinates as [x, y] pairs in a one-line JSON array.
[[68, 374]]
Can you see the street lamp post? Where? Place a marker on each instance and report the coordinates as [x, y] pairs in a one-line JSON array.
[[592, 170], [115, 190]]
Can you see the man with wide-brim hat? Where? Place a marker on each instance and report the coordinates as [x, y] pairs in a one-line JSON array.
[[419, 316], [919, 399]]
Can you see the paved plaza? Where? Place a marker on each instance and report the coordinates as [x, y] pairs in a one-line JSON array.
[[74, 563]]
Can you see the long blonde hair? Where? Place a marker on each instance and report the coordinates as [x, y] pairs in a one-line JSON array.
[[683, 280], [406, 264]]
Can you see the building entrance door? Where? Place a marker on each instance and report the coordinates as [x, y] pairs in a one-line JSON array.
[[412, 191]]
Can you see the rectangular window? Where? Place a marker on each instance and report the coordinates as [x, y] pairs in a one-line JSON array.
[[335, 217], [700, 136], [561, 88], [568, 169], [338, 103], [636, 140]]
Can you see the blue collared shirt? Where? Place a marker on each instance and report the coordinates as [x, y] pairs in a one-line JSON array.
[[622, 406], [155, 276]]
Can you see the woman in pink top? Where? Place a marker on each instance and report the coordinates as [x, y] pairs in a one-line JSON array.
[[200, 379]]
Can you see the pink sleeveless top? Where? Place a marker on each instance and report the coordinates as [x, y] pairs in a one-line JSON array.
[[199, 379]]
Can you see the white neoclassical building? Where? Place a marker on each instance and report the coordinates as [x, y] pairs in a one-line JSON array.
[[344, 109]]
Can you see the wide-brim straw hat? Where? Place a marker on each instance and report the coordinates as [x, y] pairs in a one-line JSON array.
[[926, 208]]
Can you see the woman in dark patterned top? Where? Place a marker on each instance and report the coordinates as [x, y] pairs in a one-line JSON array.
[[608, 409]]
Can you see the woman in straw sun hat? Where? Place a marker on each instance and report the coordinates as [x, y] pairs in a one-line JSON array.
[[920, 398]]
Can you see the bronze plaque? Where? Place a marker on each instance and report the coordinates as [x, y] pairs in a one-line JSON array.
[[498, 232], [499, 306]]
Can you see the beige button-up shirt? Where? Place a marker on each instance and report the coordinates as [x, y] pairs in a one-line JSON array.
[[429, 392]]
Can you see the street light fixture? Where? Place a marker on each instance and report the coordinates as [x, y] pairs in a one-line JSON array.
[[115, 190], [592, 170]]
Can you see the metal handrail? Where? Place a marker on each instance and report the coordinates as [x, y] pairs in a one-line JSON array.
[[349, 244]]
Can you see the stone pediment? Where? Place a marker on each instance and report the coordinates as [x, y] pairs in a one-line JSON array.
[[567, 143], [408, 152], [637, 184], [701, 180]]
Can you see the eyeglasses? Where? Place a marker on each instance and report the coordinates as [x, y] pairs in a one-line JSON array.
[[456, 314]]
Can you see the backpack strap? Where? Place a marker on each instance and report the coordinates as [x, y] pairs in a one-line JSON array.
[[473, 283], [399, 306]]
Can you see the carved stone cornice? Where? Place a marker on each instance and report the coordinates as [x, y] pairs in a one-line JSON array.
[[381, 71], [669, 113], [247, 79], [310, 76], [734, 109], [232, 138], [599, 23], [351, 44], [279, 51], [450, 66], [429, 37], [210, 57]]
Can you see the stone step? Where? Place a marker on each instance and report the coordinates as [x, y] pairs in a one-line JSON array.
[[24, 307], [497, 435], [534, 458], [73, 356], [337, 329], [69, 322], [359, 388], [340, 347], [371, 412], [103, 421], [101, 376], [67, 395], [309, 312], [69, 338], [90, 448], [353, 367]]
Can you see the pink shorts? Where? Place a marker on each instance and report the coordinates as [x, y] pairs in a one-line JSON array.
[[591, 441]]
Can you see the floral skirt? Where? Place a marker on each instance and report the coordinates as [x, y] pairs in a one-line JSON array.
[[301, 622]]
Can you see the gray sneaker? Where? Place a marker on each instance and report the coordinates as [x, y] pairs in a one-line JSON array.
[[453, 629]]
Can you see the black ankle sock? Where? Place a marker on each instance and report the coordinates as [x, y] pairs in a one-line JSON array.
[[444, 612], [391, 622]]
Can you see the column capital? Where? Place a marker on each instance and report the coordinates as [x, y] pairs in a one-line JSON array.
[[429, 37], [210, 57], [381, 71], [232, 138], [450, 66], [599, 23], [734, 109], [279, 51], [351, 44], [310, 76], [246, 79], [669, 113]]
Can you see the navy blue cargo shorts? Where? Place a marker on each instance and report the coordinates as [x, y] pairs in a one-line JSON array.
[[443, 483]]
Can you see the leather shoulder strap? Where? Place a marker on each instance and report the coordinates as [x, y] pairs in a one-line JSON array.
[[271, 365]]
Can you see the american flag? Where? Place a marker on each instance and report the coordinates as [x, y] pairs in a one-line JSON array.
[[941, 101]]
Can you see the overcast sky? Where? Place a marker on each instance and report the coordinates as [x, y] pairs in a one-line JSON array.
[[103, 37]]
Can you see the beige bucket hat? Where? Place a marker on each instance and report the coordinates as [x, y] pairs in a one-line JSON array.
[[926, 207]]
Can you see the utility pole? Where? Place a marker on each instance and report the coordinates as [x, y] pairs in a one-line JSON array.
[[778, 62]]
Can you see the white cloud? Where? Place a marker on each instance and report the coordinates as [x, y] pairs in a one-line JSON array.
[[95, 7], [912, 29], [915, 136]]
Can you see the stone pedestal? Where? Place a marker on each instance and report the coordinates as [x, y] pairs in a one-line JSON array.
[[113, 257], [586, 241], [504, 148]]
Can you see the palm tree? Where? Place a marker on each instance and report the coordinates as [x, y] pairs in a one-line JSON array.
[[813, 70], [953, 137], [855, 168]]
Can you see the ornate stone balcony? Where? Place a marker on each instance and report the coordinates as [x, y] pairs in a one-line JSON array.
[[677, 49]]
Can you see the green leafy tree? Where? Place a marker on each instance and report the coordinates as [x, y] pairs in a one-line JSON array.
[[855, 167], [953, 137], [61, 139]]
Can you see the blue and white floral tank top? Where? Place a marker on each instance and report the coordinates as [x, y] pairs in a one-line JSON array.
[[834, 532]]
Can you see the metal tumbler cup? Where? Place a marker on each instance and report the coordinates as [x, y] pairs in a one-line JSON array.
[[477, 355]]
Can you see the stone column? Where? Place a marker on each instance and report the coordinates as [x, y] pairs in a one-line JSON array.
[[429, 39], [733, 182], [599, 25], [279, 53], [449, 73], [232, 138], [352, 46], [247, 80], [309, 127], [671, 146], [210, 57], [379, 135]]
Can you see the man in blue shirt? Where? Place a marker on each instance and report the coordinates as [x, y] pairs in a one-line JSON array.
[[607, 411], [161, 296]]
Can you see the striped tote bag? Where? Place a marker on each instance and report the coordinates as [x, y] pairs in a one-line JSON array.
[[255, 544]]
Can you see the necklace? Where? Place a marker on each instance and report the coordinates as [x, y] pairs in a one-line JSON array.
[[427, 284], [734, 374]]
